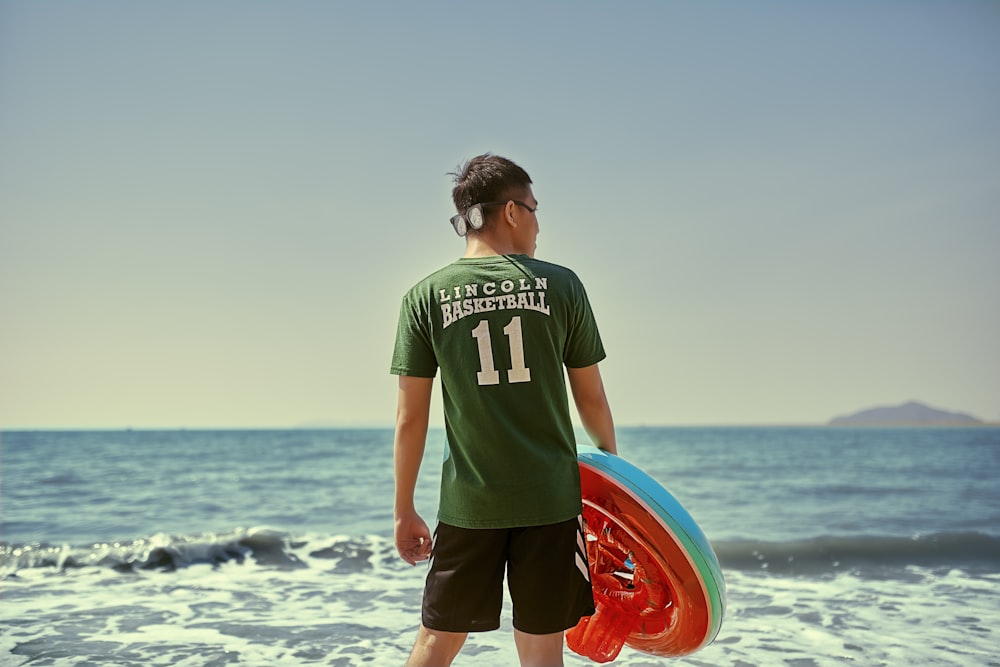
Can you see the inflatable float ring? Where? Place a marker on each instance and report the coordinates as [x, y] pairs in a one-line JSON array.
[[658, 587]]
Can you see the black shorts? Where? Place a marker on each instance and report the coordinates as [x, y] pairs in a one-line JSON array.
[[547, 576]]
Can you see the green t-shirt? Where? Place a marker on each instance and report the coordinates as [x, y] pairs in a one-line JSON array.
[[501, 329]]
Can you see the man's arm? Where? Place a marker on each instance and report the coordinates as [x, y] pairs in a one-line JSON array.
[[592, 404], [413, 539]]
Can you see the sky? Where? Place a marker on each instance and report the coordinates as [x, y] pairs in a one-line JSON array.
[[783, 211]]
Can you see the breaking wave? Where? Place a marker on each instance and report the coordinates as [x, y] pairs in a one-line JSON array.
[[167, 553]]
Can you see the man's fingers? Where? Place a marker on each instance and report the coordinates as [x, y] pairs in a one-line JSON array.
[[415, 550]]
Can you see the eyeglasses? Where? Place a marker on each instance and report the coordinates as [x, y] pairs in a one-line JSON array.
[[473, 216]]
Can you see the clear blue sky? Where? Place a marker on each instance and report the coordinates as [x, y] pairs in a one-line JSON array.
[[782, 210]]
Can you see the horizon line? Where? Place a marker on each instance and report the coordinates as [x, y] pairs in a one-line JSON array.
[[364, 426]]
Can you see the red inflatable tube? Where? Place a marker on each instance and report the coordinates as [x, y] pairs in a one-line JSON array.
[[657, 584]]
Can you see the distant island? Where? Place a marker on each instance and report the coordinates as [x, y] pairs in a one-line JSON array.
[[907, 414]]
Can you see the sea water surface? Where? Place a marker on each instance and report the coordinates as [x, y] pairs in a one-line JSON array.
[[203, 548]]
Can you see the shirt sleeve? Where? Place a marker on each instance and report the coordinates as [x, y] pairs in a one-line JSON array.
[[584, 346], [413, 354]]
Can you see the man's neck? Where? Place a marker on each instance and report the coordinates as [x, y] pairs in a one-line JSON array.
[[482, 245]]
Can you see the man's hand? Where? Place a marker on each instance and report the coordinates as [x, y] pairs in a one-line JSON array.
[[413, 539]]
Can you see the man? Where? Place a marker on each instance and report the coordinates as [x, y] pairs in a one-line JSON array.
[[501, 326]]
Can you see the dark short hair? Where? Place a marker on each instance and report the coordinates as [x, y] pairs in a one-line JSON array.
[[487, 178]]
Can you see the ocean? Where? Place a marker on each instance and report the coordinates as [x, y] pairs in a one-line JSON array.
[[208, 548]]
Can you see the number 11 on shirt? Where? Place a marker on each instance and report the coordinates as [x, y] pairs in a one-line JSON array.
[[488, 373]]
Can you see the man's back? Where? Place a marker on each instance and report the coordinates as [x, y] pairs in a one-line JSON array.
[[500, 329]]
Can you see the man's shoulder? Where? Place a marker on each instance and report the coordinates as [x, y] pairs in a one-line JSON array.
[[549, 269], [535, 264]]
